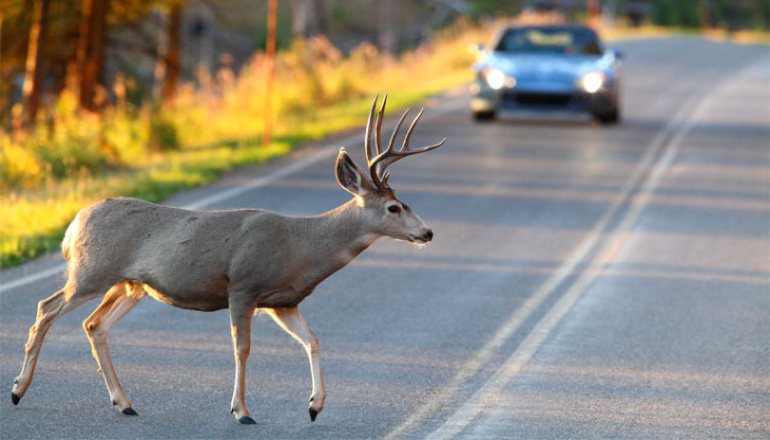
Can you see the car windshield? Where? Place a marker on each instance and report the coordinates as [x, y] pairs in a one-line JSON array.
[[564, 41]]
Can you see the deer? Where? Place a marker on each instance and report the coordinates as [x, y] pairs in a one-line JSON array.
[[247, 261]]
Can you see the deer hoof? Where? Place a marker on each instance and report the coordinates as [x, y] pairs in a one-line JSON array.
[[15, 399], [130, 412], [313, 414], [246, 420]]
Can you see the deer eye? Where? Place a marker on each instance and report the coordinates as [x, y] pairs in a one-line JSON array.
[[394, 209]]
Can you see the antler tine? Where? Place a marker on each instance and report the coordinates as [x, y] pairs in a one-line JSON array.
[[405, 145], [378, 129], [395, 156], [389, 150], [395, 130], [368, 136], [383, 159], [373, 157]]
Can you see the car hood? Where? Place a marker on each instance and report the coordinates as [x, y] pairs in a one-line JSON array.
[[539, 65]]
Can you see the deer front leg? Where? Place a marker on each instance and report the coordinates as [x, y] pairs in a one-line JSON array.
[[240, 326], [291, 320], [115, 305]]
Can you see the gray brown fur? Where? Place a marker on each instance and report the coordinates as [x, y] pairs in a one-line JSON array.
[[220, 253], [241, 260]]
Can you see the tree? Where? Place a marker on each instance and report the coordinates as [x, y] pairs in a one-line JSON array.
[[172, 59], [2, 16], [33, 77], [387, 31], [90, 51], [308, 18]]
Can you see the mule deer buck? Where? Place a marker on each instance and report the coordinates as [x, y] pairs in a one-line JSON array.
[[243, 260]]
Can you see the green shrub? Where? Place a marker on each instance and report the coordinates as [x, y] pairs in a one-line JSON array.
[[163, 134], [19, 167]]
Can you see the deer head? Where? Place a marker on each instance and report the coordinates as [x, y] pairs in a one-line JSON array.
[[272, 263], [389, 216]]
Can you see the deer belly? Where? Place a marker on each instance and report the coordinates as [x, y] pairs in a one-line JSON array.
[[287, 297], [202, 301]]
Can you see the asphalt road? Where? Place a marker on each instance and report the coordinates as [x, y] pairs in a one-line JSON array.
[[584, 282]]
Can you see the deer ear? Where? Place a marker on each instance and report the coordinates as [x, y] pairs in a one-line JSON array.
[[350, 177]]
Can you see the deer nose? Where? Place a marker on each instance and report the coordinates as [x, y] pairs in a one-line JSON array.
[[429, 235]]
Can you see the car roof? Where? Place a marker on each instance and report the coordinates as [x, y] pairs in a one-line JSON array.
[[502, 31], [570, 27]]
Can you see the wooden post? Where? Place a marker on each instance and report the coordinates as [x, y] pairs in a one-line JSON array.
[[593, 13], [33, 77], [90, 51], [272, 16], [173, 49]]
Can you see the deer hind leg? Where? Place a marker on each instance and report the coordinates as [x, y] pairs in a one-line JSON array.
[[291, 320], [48, 311], [115, 305], [240, 325]]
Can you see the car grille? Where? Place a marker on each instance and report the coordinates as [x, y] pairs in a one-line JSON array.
[[528, 98]]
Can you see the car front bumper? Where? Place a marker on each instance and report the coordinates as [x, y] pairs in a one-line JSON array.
[[484, 99]]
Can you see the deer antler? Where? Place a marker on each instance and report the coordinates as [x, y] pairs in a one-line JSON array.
[[377, 158]]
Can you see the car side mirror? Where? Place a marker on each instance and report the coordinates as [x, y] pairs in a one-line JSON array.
[[619, 54], [476, 48]]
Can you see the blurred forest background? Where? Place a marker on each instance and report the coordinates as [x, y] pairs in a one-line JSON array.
[[102, 98]]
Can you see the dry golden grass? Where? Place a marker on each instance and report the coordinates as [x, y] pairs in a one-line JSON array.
[[71, 159]]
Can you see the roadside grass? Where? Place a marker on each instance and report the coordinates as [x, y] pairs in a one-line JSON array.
[[71, 159], [34, 222], [715, 34]]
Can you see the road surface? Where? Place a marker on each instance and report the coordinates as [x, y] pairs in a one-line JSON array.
[[584, 282]]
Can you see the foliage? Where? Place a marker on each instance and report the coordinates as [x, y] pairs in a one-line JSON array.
[[729, 14], [72, 158]]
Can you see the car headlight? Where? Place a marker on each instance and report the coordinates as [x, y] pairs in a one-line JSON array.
[[592, 82], [494, 77]]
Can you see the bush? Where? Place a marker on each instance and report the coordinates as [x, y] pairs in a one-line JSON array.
[[163, 134], [126, 138], [19, 167], [73, 158]]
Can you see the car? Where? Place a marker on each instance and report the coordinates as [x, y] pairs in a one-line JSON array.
[[547, 67]]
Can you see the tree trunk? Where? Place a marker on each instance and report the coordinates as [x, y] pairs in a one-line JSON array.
[[2, 17], [388, 32], [173, 57], [90, 51], [308, 18], [33, 77]]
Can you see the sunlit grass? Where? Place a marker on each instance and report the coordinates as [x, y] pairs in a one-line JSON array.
[[71, 160], [34, 221], [717, 34]]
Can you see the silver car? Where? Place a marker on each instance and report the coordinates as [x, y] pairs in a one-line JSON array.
[[554, 67]]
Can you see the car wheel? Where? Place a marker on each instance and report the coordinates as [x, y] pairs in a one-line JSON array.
[[483, 116], [610, 117]]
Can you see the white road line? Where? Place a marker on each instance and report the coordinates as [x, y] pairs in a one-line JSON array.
[[488, 395], [259, 182], [211, 200], [37, 276], [520, 315], [674, 132]]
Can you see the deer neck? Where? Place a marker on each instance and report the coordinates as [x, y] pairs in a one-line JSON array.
[[337, 237], [345, 232]]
